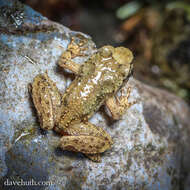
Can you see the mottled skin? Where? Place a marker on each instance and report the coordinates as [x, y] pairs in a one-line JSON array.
[[97, 80]]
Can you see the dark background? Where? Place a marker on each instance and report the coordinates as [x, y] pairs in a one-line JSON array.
[[157, 31]]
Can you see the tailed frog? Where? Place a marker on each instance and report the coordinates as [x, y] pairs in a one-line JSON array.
[[96, 83]]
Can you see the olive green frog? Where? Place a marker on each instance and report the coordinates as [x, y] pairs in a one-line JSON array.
[[96, 83]]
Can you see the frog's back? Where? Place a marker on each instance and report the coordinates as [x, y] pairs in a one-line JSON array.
[[99, 78], [85, 98]]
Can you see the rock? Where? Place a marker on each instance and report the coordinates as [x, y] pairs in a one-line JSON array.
[[151, 141]]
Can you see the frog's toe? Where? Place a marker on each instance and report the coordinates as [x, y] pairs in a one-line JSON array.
[[94, 157]]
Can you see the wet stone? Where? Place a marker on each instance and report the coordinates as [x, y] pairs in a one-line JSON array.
[[151, 141]]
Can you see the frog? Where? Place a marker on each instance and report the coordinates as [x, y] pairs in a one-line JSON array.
[[96, 83]]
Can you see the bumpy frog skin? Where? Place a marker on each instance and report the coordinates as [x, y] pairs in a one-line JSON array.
[[96, 82]]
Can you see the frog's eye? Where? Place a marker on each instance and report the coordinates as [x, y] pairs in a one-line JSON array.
[[106, 51], [122, 55]]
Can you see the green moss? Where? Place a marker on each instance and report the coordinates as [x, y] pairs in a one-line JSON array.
[[150, 147], [161, 150]]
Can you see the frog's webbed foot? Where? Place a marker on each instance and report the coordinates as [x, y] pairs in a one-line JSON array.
[[47, 100], [86, 138], [118, 106]]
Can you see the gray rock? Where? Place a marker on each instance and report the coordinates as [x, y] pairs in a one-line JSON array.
[[151, 141]]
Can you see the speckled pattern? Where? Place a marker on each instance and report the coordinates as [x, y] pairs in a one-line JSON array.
[[148, 140]]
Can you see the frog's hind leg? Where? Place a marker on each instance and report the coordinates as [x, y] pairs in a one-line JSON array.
[[47, 100], [88, 139]]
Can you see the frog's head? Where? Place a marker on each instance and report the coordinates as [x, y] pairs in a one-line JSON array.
[[122, 56]]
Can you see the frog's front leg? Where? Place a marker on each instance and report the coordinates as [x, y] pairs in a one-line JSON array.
[[118, 106], [73, 50], [65, 61], [86, 138], [47, 100]]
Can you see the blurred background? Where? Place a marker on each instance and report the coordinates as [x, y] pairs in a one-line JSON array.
[[157, 31]]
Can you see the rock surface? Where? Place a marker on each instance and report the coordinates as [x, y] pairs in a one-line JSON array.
[[151, 141]]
